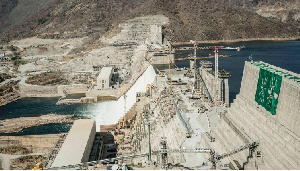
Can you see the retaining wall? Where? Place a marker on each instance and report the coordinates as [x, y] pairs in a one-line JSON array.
[[34, 141], [29, 90]]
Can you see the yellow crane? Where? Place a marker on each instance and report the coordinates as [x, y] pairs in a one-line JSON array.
[[182, 59], [90, 81], [159, 72]]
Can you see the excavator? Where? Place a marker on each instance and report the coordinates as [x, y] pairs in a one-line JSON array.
[[90, 82], [38, 166]]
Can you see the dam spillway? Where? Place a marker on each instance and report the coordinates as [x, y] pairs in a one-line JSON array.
[[109, 112]]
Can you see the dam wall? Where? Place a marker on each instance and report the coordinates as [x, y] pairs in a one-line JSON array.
[[209, 79], [27, 90], [266, 111], [287, 113], [109, 112]]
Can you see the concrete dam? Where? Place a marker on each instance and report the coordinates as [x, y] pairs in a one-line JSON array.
[[109, 112], [259, 130], [265, 111]]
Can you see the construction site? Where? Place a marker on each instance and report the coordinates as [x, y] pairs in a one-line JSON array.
[[170, 118], [180, 123]]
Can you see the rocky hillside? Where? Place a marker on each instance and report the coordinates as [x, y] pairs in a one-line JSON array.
[[16, 12], [189, 19], [215, 20], [287, 11], [75, 18]]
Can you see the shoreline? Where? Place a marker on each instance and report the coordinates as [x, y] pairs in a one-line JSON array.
[[18, 124], [237, 40]]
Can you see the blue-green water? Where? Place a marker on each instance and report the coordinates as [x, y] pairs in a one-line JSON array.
[[43, 129], [32, 107], [284, 54]]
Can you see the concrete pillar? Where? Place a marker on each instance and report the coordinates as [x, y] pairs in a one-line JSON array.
[[192, 64], [226, 89]]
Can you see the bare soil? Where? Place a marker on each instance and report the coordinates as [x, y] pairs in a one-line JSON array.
[[26, 162], [48, 78]]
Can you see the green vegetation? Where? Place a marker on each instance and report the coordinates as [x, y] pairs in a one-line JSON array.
[[12, 48], [16, 54], [15, 149], [4, 76], [42, 20], [19, 62]]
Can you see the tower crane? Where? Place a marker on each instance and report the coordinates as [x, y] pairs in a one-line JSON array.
[[216, 88], [178, 59], [170, 72]]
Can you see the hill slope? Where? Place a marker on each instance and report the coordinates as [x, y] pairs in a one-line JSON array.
[[74, 18], [287, 11], [213, 20], [190, 19], [16, 12]]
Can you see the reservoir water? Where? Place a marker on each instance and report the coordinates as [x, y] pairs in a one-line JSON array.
[[284, 54]]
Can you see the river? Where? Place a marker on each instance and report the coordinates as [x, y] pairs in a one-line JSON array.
[[104, 113], [284, 54]]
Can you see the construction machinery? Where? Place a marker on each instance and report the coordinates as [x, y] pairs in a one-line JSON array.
[[192, 63], [90, 82], [38, 166], [148, 91]]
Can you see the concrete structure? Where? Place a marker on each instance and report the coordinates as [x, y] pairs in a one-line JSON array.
[[161, 56], [78, 144], [156, 34], [29, 90], [208, 77], [247, 121], [31, 141], [104, 78]]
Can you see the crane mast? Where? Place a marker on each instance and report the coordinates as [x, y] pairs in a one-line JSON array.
[[216, 74], [216, 86]]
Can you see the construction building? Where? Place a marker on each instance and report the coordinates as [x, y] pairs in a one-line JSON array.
[[104, 78], [78, 144]]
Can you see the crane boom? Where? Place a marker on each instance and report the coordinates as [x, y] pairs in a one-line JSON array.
[[159, 72], [189, 58]]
